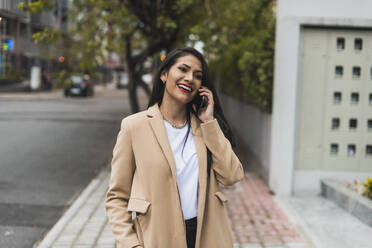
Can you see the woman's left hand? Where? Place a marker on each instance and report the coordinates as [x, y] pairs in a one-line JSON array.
[[206, 113]]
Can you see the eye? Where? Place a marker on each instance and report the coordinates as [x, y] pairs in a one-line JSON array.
[[182, 69], [198, 76]]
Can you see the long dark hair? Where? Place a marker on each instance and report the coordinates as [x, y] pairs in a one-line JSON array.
[[158, 91]]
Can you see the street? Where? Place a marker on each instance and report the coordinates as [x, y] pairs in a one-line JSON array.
[[50, 149]]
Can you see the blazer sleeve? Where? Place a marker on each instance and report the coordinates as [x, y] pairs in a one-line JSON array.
[[117, 197], [225, 163]]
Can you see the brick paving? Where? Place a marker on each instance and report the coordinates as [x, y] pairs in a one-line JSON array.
[[256, 220]]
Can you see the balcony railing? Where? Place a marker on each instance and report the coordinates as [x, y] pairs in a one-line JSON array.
[[11, 6]]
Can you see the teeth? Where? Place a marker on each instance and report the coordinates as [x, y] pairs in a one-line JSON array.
[[184, 87]]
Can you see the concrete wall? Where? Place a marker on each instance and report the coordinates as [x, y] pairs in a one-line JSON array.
[[291, 16], [252, 128]]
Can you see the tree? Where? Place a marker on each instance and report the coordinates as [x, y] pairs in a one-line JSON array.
[[138, 29], [239, 42], [238, 38]]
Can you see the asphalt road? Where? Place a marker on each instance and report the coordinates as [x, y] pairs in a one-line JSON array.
[[50, 149]]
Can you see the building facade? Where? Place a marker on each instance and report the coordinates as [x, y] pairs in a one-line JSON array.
[[322, 114], [18, 51]]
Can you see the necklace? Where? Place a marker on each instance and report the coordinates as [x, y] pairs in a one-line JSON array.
[[175, 126]]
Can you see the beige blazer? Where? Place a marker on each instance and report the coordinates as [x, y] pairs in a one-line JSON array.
[[144, 181]]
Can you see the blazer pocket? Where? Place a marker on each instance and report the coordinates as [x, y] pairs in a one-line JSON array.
[[138, 205], [221, 197]]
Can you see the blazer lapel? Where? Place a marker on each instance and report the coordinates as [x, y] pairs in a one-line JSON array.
[[202, 159], [157, 124]]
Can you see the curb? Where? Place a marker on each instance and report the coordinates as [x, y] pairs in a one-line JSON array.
[[53, 234]]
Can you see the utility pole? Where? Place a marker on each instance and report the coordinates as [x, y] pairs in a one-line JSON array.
[[1, 44], [3, 38]]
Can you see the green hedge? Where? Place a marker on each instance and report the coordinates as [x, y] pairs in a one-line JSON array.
[[11, 77]]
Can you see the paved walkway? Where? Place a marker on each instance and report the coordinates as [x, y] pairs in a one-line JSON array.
[[256, 219], [84, 224], [325, 223]]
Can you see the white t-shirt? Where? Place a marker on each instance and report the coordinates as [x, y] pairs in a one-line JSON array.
[[187, 168]]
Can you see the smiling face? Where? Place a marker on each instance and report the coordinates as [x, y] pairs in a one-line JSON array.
[[183, 79]]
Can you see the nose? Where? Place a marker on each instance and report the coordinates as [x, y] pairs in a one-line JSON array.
[[189, 76]]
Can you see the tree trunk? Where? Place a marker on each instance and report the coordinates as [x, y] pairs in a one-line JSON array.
[[132, 77], [132, 88]]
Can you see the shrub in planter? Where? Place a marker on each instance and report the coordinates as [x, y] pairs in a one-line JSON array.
[[368, 187]]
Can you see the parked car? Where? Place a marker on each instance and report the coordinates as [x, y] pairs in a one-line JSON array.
[[79, 86]]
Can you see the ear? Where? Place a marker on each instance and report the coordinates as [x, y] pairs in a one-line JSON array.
[[164, 76]]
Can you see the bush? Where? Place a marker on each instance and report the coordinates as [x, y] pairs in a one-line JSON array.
[[61, 79], [368, 187], [11, 76], [239, 44]]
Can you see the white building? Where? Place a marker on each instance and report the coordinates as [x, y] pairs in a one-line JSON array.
[[321, 125], [322, 115]]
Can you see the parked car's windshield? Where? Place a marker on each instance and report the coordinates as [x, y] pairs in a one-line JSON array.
[[76, 79]]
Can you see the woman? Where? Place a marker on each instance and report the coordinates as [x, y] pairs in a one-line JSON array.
[[168, 161]]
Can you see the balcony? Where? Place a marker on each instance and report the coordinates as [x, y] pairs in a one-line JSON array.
[[43, 19], [10, 9]]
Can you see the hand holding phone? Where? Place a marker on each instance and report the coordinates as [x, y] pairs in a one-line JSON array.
[[203, 104], [199, 102]]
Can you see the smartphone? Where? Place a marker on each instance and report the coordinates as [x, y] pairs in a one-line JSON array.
[[199, 102]]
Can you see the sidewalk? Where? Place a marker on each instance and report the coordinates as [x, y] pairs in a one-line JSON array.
[[42, 95], [256, 219], [84, 224], [58, 94], [327, 225]]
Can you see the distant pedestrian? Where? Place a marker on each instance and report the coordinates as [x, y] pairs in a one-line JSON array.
[[168, 161]]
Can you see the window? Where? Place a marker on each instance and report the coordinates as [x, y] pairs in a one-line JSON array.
[[339, 71], [334, 149], [337, 97], [23, 30], [335, 123], [351, 150], [369, 150], [353, 123], [340, 44], [369, 124], [8, 26], [358, 44], [354, 98], [370, 99], [356, 72]]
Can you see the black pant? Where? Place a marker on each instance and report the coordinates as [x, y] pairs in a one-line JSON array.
[[191, 225]]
